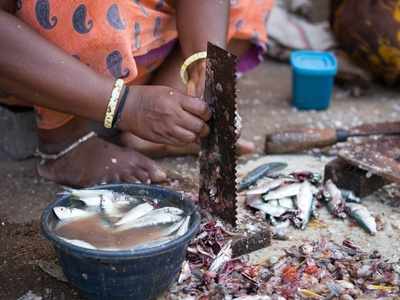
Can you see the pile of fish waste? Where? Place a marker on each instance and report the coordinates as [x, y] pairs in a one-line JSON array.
[[315, 270], [107, 220], [209, 270], [294, 199]]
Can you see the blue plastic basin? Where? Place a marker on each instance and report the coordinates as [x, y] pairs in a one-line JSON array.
[[313, 75], [139, 274]]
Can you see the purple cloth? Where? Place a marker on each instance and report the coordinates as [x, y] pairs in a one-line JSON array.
[[251, 59]]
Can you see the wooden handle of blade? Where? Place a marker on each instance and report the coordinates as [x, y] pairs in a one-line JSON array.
[[299, 140]]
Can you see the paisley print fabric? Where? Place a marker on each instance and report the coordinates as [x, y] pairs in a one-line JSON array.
[[124, 38]]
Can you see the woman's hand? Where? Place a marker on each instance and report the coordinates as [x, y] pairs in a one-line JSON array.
[[195, 88], [165, 116], [197, 78]]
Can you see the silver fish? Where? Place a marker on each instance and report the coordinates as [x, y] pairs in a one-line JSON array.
[[135, 213], [79, 243], [168, 209], [314, 211], [184, 228], [70, 213], [267, 187], [151, 219], [286, 202], [223, 256], [280, 230], [272, 220], [186, 272], [362, 216], [304, 203], [172, 228], [286, 191], [110, 202], [334, 200], [349, 196], [271, 208], [260, 172], [86, 193]]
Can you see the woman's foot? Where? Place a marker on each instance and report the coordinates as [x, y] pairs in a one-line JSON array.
[[158, 150], [96, 161]]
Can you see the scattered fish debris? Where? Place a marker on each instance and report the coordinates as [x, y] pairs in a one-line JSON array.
[[316, 270], [30, 296], [53, 269], [224, 255], [106, 220], [186, 272], [297, 196]]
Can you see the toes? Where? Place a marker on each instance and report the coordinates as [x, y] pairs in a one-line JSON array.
[[129, 178], [141, 175], [244, 147], [154, 173]]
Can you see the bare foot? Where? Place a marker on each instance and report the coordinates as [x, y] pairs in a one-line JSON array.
[[97, 161], [159, 150]]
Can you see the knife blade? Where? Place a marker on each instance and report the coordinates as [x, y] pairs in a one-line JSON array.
[[302, 139], [217, 193]]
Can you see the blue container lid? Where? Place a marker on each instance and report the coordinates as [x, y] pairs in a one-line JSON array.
[[313, 63]]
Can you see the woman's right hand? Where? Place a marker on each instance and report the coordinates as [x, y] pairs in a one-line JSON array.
[[163, 115]]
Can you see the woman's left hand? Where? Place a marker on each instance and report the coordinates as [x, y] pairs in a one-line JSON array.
[[197, 79], [195, 88]]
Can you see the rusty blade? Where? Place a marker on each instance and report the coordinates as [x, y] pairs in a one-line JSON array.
[[380, 157], [376, 128], [217, 192]]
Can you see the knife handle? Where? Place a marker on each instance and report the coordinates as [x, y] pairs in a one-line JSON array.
[[303, 139]]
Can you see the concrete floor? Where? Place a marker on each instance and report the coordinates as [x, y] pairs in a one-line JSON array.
[[264, 97]]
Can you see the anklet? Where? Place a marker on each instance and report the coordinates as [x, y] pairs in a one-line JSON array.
[[44, 157]]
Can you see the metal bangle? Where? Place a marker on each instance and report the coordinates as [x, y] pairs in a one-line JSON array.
[[191, 59]]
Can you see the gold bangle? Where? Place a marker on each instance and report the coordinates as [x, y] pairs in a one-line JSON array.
[[191, 59], [112, 103]]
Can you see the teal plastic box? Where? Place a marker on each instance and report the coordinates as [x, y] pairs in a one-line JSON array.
[[313, 74]]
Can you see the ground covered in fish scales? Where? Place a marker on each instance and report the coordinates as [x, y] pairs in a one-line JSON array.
[[264, 107], [321, 269]]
